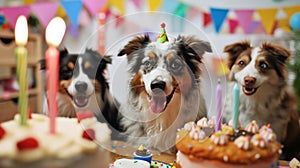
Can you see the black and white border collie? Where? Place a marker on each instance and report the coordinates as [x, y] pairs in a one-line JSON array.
[[164, 89], [265, 95], [83, 86]]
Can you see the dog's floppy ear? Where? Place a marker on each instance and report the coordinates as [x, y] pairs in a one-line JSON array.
[[134, 45], [193, 46], [281, 53], [234, 50], [62, 53]]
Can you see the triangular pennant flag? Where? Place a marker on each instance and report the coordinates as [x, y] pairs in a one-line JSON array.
[[94, 5], [170, 5], [61, 12], [118, 5], [284, 24], [72, 8], [192, 12], [268, 17], [45, 11], [28, 2], [181, 10], [84, 18], [218, 16], [154, 4], [232, 25], [206, 19], [257, 28], [137, 3], [12, 13], [73, 30], [244, 18], [289, 11]]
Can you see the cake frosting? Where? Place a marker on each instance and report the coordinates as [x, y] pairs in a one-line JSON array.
[[248, 147], [74, 138]]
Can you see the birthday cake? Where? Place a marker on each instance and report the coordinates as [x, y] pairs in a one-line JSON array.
[[200, 146], [77, 142]]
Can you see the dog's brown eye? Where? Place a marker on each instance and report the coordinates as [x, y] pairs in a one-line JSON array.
[[241, 63], [263, 65]]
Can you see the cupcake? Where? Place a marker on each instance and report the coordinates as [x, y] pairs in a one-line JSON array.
[[143, 154]]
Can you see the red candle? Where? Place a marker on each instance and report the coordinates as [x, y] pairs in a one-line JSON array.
[[54, 34]]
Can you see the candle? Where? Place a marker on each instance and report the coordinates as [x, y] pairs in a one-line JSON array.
[[219, 107], [236, 102], [21, 36], [54, 34]]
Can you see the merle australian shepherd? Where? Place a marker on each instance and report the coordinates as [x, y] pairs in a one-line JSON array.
[[163, 90], [83, 86], [266, 95]]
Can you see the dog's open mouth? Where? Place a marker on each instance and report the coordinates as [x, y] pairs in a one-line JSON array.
[[159, 101], [249, 90], [81, 100]]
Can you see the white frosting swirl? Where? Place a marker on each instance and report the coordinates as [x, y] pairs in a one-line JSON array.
[[203, 122], [219, 138], [267, 133], [188, 126], [252, 127], [197, 134], [259, 141], [243, 142]]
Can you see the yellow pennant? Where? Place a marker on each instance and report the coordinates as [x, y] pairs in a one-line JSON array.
[[119, 5], [154, 4], [61, 12], [289, 11], [267, 17], [284, 24], [28, 2]]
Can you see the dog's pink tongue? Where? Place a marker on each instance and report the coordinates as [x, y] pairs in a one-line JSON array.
[[157, 103]]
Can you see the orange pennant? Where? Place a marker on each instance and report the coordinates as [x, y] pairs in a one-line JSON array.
[[154, 4], [267, 17], [289, 11]]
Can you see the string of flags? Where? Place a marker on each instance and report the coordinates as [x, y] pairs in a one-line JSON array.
[[79, 12]]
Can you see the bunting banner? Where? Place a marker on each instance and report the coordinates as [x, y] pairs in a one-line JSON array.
[[118, 5], [268, 17], [170, 5], [218, 16], [94, 6], [28, 2], [244, 18], [289, 11], [181, 10], [72, 8], [233, 24], [45, 11], [137, 3], [206, 19], [61, 12], [73, 30], [84, 19], [154, 5], [257, 28], [192, 12], [12, 13]]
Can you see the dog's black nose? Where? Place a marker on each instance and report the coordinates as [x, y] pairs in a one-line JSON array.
[[81, 86], [249, 80], [158, 84]]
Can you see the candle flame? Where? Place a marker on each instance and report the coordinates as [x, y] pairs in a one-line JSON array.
[[55, 31], [21, 31]]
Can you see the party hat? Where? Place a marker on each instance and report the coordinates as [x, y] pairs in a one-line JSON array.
[[162, 36]]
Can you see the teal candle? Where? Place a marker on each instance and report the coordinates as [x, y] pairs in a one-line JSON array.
[[236, 103]]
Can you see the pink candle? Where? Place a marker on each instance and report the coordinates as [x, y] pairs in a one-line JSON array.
[[218, 125], [54, 34]]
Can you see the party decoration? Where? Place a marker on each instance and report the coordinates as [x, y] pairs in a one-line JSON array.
[[72, 9], [61, 12], [268, 17], [218, 16], [54, 34], [45, 11], [290, 11], [233, 24], [137, 3], [181, 10], [73, 30], [154, 4], [295, 22], [236, 103], [244, 18], [21, 37], [94, 6], [163, 35], [84, 19], [119, 5], [12, 13], [170, 5], [27, 2], [206, 19], [192, 12]]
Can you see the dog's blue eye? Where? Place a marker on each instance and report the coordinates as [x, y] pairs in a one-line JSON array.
[[263, 65], [241, 63]]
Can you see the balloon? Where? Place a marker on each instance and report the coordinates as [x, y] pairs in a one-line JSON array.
[[295, 21]]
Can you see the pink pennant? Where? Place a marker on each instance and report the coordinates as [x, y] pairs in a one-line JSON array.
[[244, 18], [192, 13], [232, 25], [257, 28], [137, 3], [73, 30], [45, 11], [84, 18], [94, 5], [12, 13]]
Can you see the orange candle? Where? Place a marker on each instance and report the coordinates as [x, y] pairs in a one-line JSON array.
[[54, 34], [21, 37]]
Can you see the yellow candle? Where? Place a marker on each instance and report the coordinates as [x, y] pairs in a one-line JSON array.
[[21, 36]]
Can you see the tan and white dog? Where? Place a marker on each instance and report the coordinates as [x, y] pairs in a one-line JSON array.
[[265, 95], [164, 89]]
